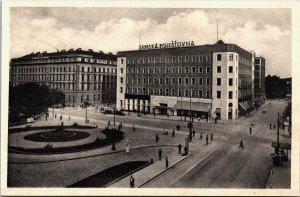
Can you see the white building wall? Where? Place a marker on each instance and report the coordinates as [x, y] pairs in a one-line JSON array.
[[223, 102], [120, 100]]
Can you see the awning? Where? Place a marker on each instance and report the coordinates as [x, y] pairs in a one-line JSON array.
[[282, 145], [244, 105], [195, 106]]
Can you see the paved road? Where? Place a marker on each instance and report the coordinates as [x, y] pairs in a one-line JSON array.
[[228, 166]]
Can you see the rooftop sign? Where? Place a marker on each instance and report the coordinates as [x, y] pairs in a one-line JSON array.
[[173, 44]]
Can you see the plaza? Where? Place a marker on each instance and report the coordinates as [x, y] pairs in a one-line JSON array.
[[218, 164]]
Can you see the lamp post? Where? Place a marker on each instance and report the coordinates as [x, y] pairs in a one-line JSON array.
[[190, 125], [181, 105], [114, 116], [86, 118], [278, 123], [52, 105]]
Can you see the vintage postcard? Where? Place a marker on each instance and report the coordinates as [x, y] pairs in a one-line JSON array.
[[150, 98]]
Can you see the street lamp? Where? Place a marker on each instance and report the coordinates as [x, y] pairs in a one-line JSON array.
[[114, 116], [86, 103]]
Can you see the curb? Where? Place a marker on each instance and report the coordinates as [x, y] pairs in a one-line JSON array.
[[107, 153], [127, 174], [190, 154]]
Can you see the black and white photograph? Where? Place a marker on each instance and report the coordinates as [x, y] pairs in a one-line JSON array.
[[160, 96]]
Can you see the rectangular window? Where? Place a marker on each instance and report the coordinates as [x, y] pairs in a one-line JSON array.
[[200, 94], [219, 57], [218, 94], [230, 69], [207, 69], [179, 81], [231, 57], [201, 69], [160, 80], [186, 69], [186, 93], [218, 81], [167, 81], [230, 95], [186, 59], [186, 81], [193, 69], [193, 58], [121, 70], [173, 59], [173, 81], [208, 58], [218, 69], [193, 93], [207, 94], [193, 81], [230, 81], [121, 79], [200, 81], [201, 58], [207, 81], [121, 89]]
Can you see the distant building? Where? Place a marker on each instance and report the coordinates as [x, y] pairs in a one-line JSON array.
[[259, 77], [82, 75], [208, 80]]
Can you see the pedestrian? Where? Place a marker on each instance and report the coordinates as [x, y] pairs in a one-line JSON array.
[[201, 136], [113, 146], [108, 123], [121, 124], [179, 148], [173, 133], [55, 116], [60, 117], [274, 127], [198, 119], [194, 132], [206, 138], [156, 137], [270, 126], [241, 144], [133, 128], [185, 150], [131, 181], [167, 162], [159, 154], [127, 148], [250, 130], [69, 118], [211, 137]]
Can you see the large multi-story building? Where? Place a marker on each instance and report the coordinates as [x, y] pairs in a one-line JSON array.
[[82, 75], [259, 77], [200, 81]]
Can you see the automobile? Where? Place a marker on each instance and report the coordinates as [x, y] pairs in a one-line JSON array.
[[120, 113], [108, 112]]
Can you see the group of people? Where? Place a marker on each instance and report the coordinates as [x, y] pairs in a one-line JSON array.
[[274, 126]]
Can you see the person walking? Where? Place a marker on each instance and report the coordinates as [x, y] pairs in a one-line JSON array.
[[201, 136], [206, 138], [211, 137], [194, 132], [108, 123], [241, 144], [270, 126], [133, 128], [274, 127], [131, 182], [156, 138], [179, 148], [69, 118], [250, 130], [173, 133], [127, 148], [159, 154], [167, 162]]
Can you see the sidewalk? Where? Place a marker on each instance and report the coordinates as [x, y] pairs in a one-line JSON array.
[[148, 173], [280, 177]]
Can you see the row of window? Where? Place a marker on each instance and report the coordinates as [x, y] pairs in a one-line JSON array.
[[67, 59], [167, 81], [168, 70], [168, 59], [230, 81], [168, 92], [71, 86], [230, 94], [106, 78], [62, 69], [105, 96]]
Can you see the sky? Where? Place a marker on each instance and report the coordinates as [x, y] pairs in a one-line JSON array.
[[265, 31]]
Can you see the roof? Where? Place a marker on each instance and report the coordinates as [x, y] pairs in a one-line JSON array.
[[71, 52], [282, 145], [219, 46], [244, 105], [195, 106]]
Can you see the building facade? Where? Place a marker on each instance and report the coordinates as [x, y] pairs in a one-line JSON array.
[[198, 81], [82, 75], [259, 77]]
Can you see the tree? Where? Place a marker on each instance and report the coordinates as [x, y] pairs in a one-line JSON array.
[[31, 99], [275, 87]]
